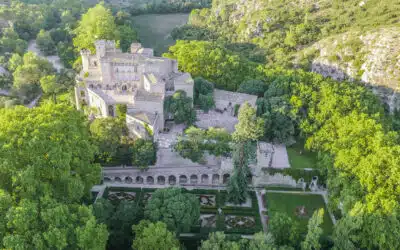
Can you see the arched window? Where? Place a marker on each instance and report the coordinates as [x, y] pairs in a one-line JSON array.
[[110, 110], [124, 88]]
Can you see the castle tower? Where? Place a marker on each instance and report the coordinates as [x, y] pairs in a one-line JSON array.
[[135, 47], [100, 48], [85, 53]]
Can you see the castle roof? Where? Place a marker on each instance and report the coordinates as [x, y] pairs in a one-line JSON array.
[[143, 116], [223, 98]]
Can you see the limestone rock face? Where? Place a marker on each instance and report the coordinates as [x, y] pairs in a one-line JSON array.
[[372, 57]]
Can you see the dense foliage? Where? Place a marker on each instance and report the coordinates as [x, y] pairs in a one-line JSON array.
[[98, 23], [203, 94], [46, 170], [345, 121], [154, 236], [144, 153], [180, 107], [280, 28], [178, 209], [119, 219], [195, 142]]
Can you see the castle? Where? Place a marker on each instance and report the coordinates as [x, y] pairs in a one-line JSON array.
[[137, 79]]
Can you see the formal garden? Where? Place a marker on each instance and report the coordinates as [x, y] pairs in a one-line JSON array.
[[216, 214]]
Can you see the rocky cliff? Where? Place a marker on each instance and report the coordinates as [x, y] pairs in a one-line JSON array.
[[372, 57], [356, 40]]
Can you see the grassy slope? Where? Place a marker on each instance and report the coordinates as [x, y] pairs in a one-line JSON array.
[[300, 158]]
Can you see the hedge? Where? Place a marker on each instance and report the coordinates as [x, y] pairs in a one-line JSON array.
[[296, 174]]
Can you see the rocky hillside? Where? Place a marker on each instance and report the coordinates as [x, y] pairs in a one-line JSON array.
[[372, 57], [344, 39]]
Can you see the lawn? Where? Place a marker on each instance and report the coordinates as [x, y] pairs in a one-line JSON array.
[[301, 158], [154, 30], [288, 203]]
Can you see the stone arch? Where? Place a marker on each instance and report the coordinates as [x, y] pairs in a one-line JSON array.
[[215, 179], [107, 179], [161, 180], [193, 179], [172, 180], [204, 179], [128, 179], [183, 179], [249, 179], [139, 180], [150, 180], [110, 110], [117, 179], [225, 178]]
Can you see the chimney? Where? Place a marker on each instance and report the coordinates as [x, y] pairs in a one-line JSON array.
[[135, 47]]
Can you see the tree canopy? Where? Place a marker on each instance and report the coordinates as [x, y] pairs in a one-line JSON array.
[[46, 170], [149, 236], [249, 127], [98, 23], [181, 107], [178, 209]]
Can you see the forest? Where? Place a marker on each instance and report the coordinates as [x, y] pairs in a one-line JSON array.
[[52, 155]]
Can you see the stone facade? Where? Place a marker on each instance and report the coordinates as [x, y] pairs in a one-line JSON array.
[[137, 79]]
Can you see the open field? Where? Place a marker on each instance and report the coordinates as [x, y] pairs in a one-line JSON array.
[[289, 203], [154, 29]]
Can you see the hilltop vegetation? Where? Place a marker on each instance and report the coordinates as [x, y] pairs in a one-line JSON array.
[[336, 38]]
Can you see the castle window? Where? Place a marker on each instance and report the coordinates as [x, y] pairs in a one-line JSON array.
[[111, 110]]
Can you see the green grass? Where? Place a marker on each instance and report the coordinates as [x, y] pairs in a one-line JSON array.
[[287, 203], [154, 30], [300, 157]]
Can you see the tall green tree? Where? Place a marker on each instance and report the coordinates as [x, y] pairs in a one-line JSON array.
[[96, 24], [50, 86], [181, 107], [284, 229], [128, 35], [119, 218], [107, 134], [47, 169], [311, 242], [238, 183], [144, 153], [175, 207], [218, 241], [32, 70], [46, 43], [250, 127], [149, 236]]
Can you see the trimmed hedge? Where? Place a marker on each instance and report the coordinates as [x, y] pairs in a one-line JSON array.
[[296, 174]]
